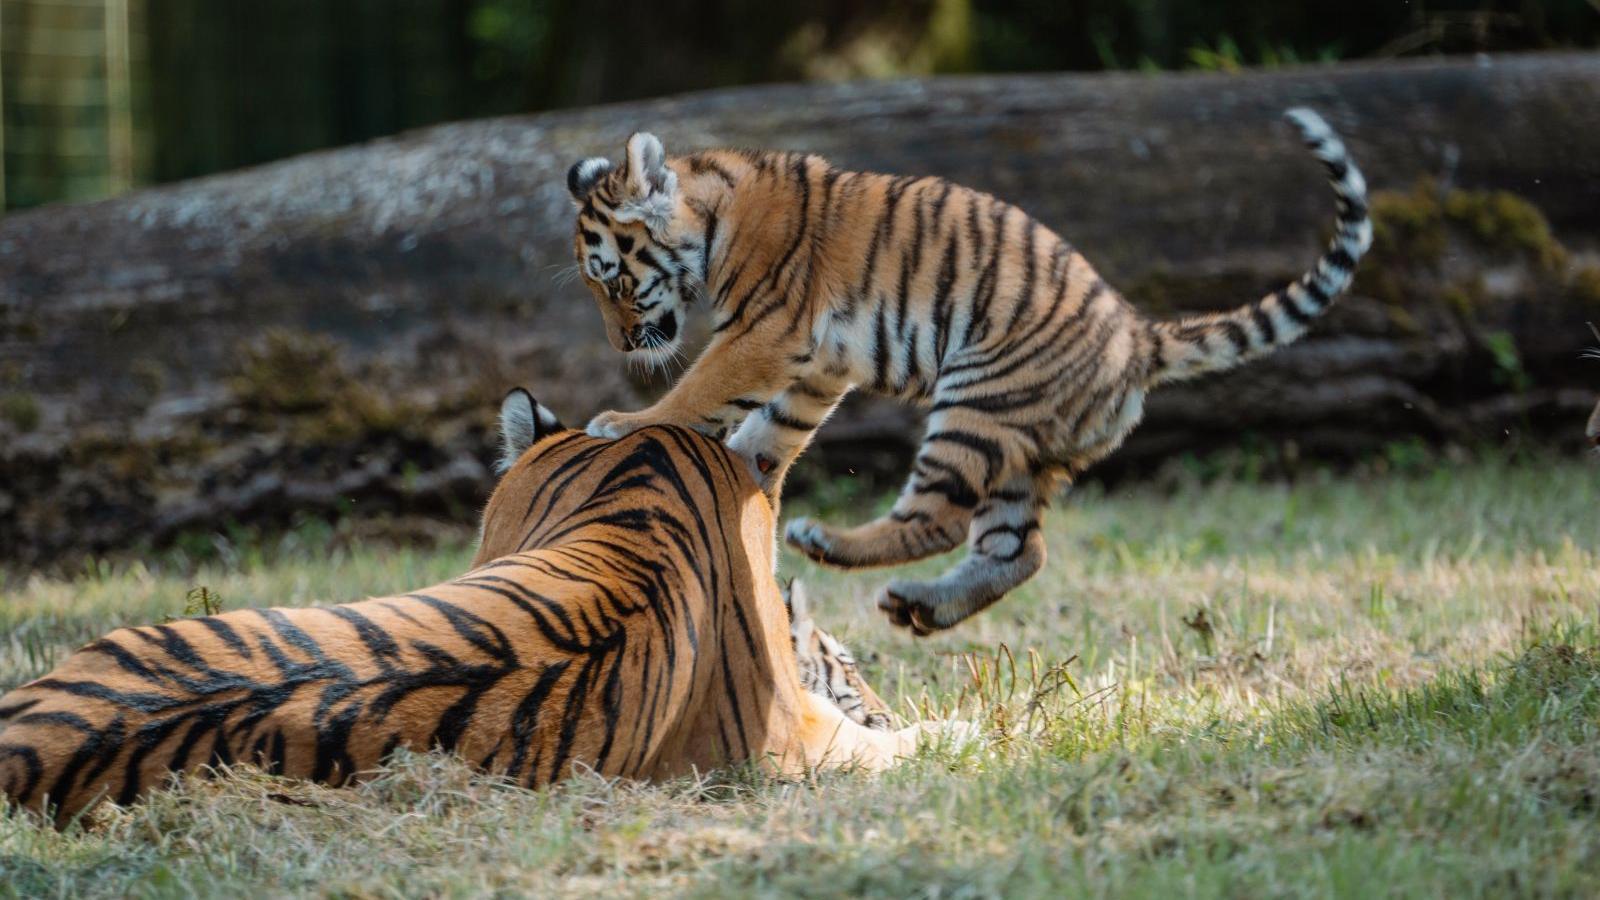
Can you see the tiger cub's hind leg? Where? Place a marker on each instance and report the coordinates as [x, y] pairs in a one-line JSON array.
[[1005, 548], [929, 518], [962, 457]]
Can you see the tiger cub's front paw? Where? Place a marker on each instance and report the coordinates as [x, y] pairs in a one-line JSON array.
[[613, 424], [809, 537]]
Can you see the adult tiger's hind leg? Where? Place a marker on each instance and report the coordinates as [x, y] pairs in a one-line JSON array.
[[1006, 548]]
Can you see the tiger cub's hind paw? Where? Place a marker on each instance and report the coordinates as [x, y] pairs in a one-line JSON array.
[[905, 613], [907, 605]]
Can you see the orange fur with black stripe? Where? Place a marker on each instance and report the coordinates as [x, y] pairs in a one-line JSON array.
[[620, 615], [821, 281]]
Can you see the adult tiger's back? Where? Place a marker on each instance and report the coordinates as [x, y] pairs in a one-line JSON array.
[[621, 614]]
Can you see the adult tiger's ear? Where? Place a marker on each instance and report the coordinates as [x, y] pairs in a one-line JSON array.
[[522, 423], [584, 175], [652, 186]]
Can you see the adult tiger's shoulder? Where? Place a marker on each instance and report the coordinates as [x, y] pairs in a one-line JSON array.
[[620, 614]]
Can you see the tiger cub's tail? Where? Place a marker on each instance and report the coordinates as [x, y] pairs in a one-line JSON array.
[[1194, 345]]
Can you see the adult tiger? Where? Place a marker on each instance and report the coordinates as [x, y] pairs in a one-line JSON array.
[[822, 281], [620, 614]]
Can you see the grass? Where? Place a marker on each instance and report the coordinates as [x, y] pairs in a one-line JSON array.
[[1385, 686]]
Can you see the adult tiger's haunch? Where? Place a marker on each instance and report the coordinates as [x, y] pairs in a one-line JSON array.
[[821, 281], [621, 615]]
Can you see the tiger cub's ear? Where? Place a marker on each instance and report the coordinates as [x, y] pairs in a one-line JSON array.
[[522, 423], [584, 175], [798, 606], [651, 184]]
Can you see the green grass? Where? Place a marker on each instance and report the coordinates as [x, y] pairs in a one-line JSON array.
[[1336, 688]]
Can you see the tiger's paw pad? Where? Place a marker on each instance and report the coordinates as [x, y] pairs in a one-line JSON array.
[[809, 537], [907, 612], [612, 425]]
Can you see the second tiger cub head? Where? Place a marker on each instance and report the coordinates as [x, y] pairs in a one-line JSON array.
[[641, 272]]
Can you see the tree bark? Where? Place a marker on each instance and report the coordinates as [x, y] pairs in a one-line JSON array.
[[400, 287]]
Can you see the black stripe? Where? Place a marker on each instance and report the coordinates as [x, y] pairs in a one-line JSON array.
[[955, 487], [33, 769], [227, 634], [1318, 295], [708, 239], [984, 447], [7, 712], [1234, 332], [700, 165], [807, 389], [943, 309], [1292, 308], [880, 352], [800, 173], [1268, 331], [784, 420]]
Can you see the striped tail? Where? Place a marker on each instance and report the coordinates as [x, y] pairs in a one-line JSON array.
[[1194, 345]]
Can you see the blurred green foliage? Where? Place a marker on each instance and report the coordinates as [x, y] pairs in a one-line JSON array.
[[225, 84]]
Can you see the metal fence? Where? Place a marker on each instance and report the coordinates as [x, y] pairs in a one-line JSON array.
[[72, 78]]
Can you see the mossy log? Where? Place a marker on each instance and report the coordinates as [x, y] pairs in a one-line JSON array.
[[330, 333]]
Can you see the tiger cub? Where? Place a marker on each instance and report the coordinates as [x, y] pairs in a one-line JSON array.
[[822, 281], [620, 615], [827, 668]]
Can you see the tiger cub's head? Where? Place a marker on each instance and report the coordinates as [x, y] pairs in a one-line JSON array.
[[641, 270], [827, 669]]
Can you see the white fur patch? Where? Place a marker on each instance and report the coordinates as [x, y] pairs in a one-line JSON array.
[[523, 421], [519, 427], [652, 185], [585, 175]]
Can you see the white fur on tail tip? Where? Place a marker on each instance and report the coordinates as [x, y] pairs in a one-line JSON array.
[[1309, 121], [1326, 145]]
